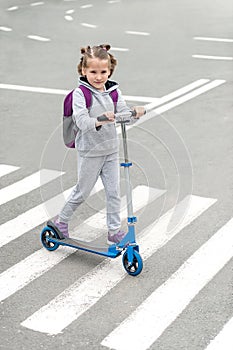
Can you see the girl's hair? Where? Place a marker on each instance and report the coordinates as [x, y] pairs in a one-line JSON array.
[[101, 52]]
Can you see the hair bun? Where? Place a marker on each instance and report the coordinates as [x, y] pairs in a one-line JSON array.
[[85, 50], [106, 47]]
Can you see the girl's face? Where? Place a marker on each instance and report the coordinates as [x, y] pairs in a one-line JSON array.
[[97, 72]]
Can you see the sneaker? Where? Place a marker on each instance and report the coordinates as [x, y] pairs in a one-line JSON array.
[[116, 238], [62, 226]]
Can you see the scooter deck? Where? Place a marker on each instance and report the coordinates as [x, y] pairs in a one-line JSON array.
[[109, 251]]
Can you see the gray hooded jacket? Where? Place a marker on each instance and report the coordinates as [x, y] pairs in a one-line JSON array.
[[91, 141]]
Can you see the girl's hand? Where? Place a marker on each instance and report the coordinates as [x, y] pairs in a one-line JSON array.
[[140, 111], [111, 118]]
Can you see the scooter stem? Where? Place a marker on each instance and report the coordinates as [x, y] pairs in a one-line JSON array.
[[126, 166]]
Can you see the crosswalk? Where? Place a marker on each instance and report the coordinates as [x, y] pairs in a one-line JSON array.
[[90, 289]]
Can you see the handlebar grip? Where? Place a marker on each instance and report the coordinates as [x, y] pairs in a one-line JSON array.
[[133, 113], [102, 118]]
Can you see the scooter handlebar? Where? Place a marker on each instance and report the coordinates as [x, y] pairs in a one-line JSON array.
[[120, 119]]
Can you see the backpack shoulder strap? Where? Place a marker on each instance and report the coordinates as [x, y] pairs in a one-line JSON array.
[[67, 105], [87, 94], [114, 96]]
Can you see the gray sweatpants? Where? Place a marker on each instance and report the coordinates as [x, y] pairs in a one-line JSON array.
[[89, 169]]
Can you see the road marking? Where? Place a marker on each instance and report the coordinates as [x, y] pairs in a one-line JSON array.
[[27, 270], [180, 100], [93, 227], [7, 169], [24, 272], [167, 302], [37, 3], [213, 57], [136, 33], [69, 12], [119, 49], [13, 8], [224, 340], [86, 6], [34, 89], [28, 184], [213, 39], [65, 92], [27, 221], [88, 25], [5, 29], [190, 95], [177, 93], [68, 18], [153, 102], [88, 290], [38, 38]]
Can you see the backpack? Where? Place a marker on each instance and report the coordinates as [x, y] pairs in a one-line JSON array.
[[70, 129]]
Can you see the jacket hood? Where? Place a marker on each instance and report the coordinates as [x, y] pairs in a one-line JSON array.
[[109, 86]]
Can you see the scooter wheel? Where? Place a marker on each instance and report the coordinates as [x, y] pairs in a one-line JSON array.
[[46, 233], [134, 268]]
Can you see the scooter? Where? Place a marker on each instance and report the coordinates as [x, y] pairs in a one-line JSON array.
[[52, 238]]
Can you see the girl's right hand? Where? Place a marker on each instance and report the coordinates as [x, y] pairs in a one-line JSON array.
[[111, 118], [110, 115]]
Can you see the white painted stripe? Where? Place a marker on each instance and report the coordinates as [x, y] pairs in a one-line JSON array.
[[177, 93], [140, 98], [213, 39], [19, 275], [84, 293], [153, 101], [167, 302], [65, 92], [136, 33], [86, 6], [5, 29], [27, 270], [36, 216], [37, 3], [177, 102], [34, 89], [13, 8], [88, 25], [122, 49], [7, 169], [28, 184], [93, 227], [69, 12], [213, 57], [190, 95], [68, 18], [38, 38], [27, 221], [224, 340]]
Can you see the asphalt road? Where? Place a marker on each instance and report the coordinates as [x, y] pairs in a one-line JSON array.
[[174, 57]]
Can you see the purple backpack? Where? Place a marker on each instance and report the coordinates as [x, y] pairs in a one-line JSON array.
[[70, 129]]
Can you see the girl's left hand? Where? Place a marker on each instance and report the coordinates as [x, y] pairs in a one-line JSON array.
[[140, 111]]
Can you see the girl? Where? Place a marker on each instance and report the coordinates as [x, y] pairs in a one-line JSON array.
[[97, 142]]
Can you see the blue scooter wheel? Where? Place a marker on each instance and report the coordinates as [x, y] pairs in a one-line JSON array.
[[47, 233], [136, 266]]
